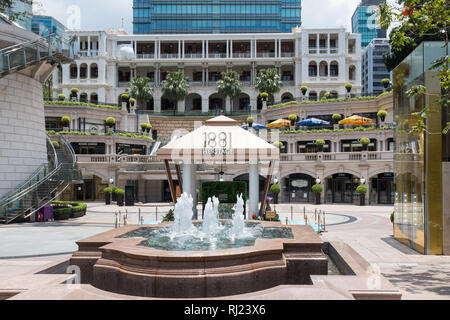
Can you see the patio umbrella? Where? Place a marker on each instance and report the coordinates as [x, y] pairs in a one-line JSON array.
[[313, 122], [356, 120], [256, 126], [280, 123]]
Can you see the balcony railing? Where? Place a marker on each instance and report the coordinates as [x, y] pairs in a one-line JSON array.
[[241, 54], [169, 55], [339, 156], [287, 54], [127, 159], [217, 55], [265, 54], [145, 56], [193, 55]]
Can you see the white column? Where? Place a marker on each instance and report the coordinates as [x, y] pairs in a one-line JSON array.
[[194, 189], [276, 48], [228, 104], [189, 182], [253, 190], [89, 46], [231, 49]]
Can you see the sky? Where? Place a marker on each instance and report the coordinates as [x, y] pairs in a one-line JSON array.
[[113, 14]]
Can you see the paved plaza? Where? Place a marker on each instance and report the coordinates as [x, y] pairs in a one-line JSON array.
[[29, 247]]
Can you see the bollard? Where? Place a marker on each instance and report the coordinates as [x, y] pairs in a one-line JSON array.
[[292, 213], [324, 223], [115, 225], [156, 214], [139, 216], [286, 220]]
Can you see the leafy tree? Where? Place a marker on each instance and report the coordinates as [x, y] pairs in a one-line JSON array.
[[269, 81], [140, 90], [414, 21], [175, 87], [229, 86]]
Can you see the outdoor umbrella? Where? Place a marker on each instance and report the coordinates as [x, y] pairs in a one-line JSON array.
[[256, 126], [356, 120], [280, 123], [313, 122]]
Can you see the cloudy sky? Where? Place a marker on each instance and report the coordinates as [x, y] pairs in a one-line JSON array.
[[111, 14]]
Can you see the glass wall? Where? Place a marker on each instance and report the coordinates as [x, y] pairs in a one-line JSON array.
[[364, 22], [222, 16], [418, 156]]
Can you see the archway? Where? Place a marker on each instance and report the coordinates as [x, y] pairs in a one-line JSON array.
[[297, 188], [382, 188], [94, 71], [83, 97], [333, 94], [241, 102], [83, 71], [94, 97], [286, 97], [245, 178], [313, 96], [352, 72], [340, 188], [73, 71], [270, 102], [323, 69], [216, 103], [334, 69], [193, 102], [312, 69], [167, 105]]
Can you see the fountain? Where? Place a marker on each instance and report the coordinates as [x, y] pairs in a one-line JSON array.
[[191, 259]]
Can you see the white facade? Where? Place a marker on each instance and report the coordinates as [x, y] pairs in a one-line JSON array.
[[322, 59]]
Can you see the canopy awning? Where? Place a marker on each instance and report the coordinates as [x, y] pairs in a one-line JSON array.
[[221, 139]]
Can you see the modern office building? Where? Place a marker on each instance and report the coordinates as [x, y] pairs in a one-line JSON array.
[[322, 59], [364, 22], [373, 67], [25, 12], [45, 25], [422, 160], [220, 16]]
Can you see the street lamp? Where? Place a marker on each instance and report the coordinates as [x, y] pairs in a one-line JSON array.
[[363, 180], [318, 181]]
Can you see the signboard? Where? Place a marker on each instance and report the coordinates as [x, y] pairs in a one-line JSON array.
[[217, 144], [270, 215]]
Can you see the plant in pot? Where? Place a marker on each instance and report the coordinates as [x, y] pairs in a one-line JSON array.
[[132, 101], [336, 118], [110, 122], [66, 123], [275, 191], [108, 191], [278, 144], [56, 144], [74, 94], [362, 190], [125, 98], [61, 97], [317, 190], [120, 197], [113, 194], [264, 97], [293, 118], [382, 114], [144, 126], [325, 96], [365, 143], [148, 128], [250, 121], [348, 86], [320, 143], [304, 90], [385, 82]]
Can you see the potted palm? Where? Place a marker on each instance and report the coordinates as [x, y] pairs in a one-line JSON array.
[[108, 191], [74, 94], [317, 190], [293, 118], [348, 86], [250, 121], [148, 128], [275, 190], [382, 114], [143, 127], [385, 82], [110, 122], [320, 143], [362, 190], [125, 98], [304, 89], [336, 118], [66, 123], [120, 197], [264, 97], [132, 102], [61, 97], [365, 143]]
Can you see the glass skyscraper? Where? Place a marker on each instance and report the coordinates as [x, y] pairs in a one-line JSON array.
[[45, 25], [365, 23], [25, 12], [215, 16]]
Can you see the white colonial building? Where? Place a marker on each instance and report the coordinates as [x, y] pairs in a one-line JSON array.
[[322, 59]]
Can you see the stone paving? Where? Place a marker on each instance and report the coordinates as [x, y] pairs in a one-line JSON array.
[[368, 230]]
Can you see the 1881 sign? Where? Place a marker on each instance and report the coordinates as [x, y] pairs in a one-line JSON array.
[[217, 143]]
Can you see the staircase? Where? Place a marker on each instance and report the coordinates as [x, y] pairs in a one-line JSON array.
[[52, 49], [44, 185]]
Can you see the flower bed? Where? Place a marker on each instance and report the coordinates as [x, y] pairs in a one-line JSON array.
[[82, 133], [84, 104]]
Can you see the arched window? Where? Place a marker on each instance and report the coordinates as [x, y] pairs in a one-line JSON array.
[[312, 69], [94, 97], [334, 69], [313, 96], [352, 73], [94, 71], [73, 71], [83, 71], [323, 69]]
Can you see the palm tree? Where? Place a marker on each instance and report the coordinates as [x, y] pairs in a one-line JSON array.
[[269, 81], [140, 90], [175, 87], [229, 86]]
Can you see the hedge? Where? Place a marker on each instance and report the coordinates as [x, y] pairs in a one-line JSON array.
[[84, 104], [229, 188], [63, 210]]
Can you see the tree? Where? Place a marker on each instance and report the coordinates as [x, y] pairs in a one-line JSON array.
[[229, 86], [269, 81], [175, 87], [140, 90], [415, 21]]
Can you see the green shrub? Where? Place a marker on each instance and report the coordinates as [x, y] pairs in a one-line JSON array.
[[348, 86], [132, 101], [278, 144], [169, 216], [362, 189], [393, 217], [336, 117], [317, 188], [264, 96], [56, 144], [275, 189], [119, 191], [108, 190], [292, 117], [304, 89], [364, 141], [250, 120], [125, 97], [61, 97], [85, 104], [110, 121], [230, 189], [74, 90], [382, 113], [50, 132], [282, 104], [65, 120], [320, 142], [385, 82]]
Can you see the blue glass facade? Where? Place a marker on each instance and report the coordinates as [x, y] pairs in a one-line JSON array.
[[365, 23], [215, 16], [26, 12], [45, 25]]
